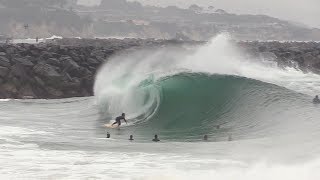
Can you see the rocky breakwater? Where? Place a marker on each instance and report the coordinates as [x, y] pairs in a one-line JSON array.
[[60, 69], [66, 68], [304, 56]]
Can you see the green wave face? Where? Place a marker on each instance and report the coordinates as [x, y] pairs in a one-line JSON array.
[[192, 105], [212, 89]]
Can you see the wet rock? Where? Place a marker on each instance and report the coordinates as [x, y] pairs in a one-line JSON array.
[[4, 61], [54, 93], [45, 55], [22, 61], [93, 62], [268, 55], [69, 64], [71, 67], [310, 60], [11, 50], [39, 81], [18, 71], [85, 72], [48, 72], [3, 71], [9, 88], [26, 92], [73, 84], [53, 61]]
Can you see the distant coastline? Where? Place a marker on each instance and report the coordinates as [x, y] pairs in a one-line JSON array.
[[119, 18]]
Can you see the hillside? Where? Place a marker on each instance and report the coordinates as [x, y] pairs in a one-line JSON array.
[[118, 18]]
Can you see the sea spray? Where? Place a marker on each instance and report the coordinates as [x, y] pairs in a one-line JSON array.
[[117, 82]]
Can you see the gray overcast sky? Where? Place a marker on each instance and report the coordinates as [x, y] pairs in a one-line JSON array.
[[303, 11]]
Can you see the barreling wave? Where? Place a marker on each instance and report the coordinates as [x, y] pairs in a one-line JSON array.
[[184, 95]]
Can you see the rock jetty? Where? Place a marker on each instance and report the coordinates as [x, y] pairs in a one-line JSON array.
[[67, 67], [59, 69]]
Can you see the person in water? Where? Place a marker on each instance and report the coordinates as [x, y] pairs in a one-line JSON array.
[[156, 139], [131, 138], [316, 100], [205, 137], [119, 118]]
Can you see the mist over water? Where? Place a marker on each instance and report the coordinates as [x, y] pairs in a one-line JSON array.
[[181, 94]]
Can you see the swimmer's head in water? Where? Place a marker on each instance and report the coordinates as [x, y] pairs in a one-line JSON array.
[[131, 137], [205, 137]]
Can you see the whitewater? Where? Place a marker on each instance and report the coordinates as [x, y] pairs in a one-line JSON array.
[[259, 118]]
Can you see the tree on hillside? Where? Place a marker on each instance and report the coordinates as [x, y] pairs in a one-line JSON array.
[[195, 8], [39, 3], [120, 5]]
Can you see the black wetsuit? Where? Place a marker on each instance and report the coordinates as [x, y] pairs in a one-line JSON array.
[[316, 101], [118, 120]]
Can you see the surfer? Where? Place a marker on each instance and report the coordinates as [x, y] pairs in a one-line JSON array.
[[316, 100], [156, 139], [119, 118]]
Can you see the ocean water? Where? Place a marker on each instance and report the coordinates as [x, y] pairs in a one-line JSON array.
[[259, 119]]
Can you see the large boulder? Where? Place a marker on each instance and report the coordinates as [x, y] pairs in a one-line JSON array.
[[310, 60], [268, 56], [93, 62], [70, 66], [72, 84], [3, 71], [22, 61], [39, 82], [34, 53], [75, 55], [54, 93], [295, 50], [47, 72], [26, 92], [19, 71], [11, 50], [45, 55], [4, 61], [53, 61], [85, 72], [9, 88]]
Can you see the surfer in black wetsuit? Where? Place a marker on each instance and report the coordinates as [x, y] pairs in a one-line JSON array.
[[119, 118], [316, 100], [156, 139], [205, 137]]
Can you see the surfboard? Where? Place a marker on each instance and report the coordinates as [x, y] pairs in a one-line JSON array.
[[110, 126]]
